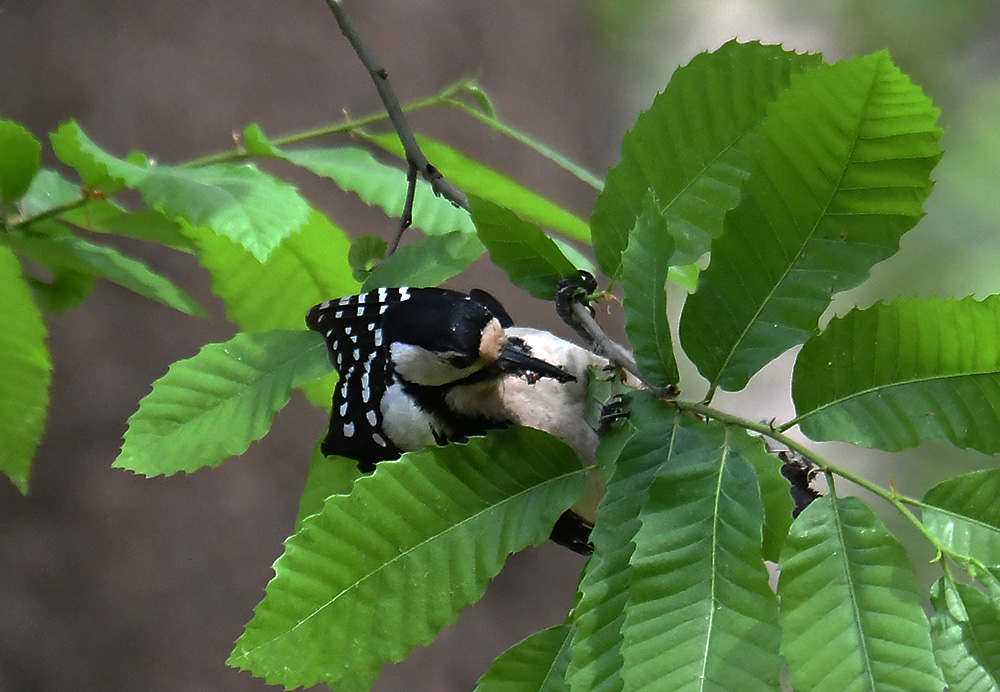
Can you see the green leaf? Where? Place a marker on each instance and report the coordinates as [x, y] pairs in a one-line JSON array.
[[596, 663], [410, 547], [843, 168], [645, 265], [520, 248], [67, 289], [774, 490], [965, 630], [25, 373], [701, 614], [964, 515], [307, 268], [212, 406], [47, 191], [893, 375], [377, 184], [150, 225], [246, 205], [333, 475], [65, 252], [850, 605], [476, 179], [365, 254], [430, 261], [535, 664], [19, 162], [690, 148]]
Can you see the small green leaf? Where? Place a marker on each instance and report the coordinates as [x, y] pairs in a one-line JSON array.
[[645, 266], [964, 515], [850, 605], [965, 630], [841, 173], [430, 261], [476, 179], [47, 191], [529, 257], [65, 252], [67, 289], [365, 254], [25, 373], [212, 406], [377, 184], [690, 148], [893, 375], [535, 664], [19, 162], [256, 142], [411, 546], [98, 169]]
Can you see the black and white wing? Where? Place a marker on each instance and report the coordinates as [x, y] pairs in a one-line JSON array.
[[352, 327]]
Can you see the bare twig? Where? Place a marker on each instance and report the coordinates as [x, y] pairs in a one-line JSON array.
[[414, 156], [406, 218]]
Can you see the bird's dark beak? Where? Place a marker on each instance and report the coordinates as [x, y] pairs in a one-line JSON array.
[[515, 357]]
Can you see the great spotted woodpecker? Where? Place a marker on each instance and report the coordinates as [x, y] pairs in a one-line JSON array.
[[420, 366]]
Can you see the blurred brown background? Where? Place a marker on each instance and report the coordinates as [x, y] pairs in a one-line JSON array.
[[113, 582]]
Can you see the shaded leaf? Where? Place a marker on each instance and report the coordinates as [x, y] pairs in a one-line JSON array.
[[535, 664], [774, 489], [327, 476], [365, 254], [430, 261], [596, 662], [47, 191], [477, 179], [529, 257], [410, 547], [25, 373], [965, 630], [850, 605], [212, 406], [894, 374], [19, 162], [690, 148], [841, 173], [67, 289], [963, 513], [701, 614], [645, 265]]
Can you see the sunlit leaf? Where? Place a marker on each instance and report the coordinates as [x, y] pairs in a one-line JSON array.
[[851, 617], [410, 547], [841, 173], [429, 261], [690, 148], [25, 373], [212, 406], [893, 375]]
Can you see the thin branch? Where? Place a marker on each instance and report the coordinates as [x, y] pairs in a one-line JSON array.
[[380, 77], [406, 218]]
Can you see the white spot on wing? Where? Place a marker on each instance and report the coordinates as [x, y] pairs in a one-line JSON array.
[[348, 429], [372, 418]]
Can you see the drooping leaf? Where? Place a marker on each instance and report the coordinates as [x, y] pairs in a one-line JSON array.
[[475, 178], [410, 547], [701, 614], [841, 173], [240, 202], [150, 225], [365, 254], [894, 374], [25, 373], [529, 257], [67, 289], [596, 662], [430, 261], [850, 605], [690, 148], [535, 664], [965, 631], [964, 515], [212, 406], [64, 252], [645, 265], [307, 268], [19, 162], [774, 490]]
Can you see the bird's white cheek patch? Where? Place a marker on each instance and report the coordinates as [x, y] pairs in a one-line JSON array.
[[408, 426]]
